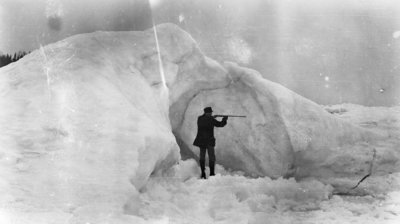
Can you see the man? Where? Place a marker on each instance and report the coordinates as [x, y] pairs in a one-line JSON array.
[[205, 139]]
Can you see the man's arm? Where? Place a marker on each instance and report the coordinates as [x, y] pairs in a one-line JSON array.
[[220, 123]]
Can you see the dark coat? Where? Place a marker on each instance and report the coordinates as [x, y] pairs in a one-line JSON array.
[[205, 130]]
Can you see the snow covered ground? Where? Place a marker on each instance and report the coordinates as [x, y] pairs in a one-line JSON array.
[[179, 197], [230, 198]]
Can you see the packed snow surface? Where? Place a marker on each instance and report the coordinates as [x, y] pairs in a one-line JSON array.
[[90, 128]]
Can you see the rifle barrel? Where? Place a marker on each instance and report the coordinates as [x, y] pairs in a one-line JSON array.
[[220, 115]]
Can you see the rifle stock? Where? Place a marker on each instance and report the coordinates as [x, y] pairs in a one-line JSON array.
[[223, 115]]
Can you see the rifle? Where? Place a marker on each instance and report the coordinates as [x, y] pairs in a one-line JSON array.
[[221, 115]]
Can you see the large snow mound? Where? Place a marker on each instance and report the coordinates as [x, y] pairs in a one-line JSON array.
[[90, 119], [87, 118]]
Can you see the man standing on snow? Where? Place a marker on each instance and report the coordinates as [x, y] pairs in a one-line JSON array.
[[205, 139]]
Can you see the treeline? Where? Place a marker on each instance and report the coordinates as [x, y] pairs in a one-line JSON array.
[[6, 59]]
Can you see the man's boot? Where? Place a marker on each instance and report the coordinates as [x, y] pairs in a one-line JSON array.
[[211, 155], [212, 167], [203, 168]]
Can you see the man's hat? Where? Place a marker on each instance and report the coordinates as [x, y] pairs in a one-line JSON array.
[[208, 110]]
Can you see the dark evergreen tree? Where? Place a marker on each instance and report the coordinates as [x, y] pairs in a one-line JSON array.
[[6, 59]]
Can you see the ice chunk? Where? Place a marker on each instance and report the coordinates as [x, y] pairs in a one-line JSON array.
[[85, 121]]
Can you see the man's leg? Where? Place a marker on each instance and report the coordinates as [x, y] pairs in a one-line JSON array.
[[211, 161], [203, 162]]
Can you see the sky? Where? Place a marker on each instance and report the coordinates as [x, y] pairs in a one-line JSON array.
[[26, 24], [330, 51]]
